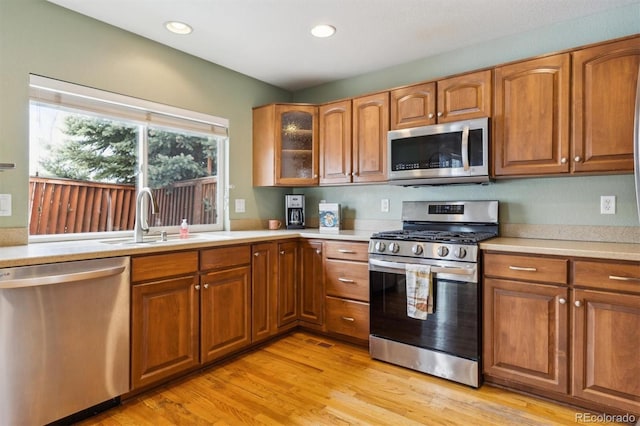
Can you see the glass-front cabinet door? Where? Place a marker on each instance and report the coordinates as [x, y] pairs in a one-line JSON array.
[[296, 145]]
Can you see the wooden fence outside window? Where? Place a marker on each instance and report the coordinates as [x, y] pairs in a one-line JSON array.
[[63, 206]]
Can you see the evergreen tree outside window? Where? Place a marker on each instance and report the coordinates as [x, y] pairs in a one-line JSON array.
[[103, 147]]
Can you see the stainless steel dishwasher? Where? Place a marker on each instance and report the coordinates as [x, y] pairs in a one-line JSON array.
[[64, 339]]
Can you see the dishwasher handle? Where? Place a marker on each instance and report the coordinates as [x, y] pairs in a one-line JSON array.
[[61, 278]]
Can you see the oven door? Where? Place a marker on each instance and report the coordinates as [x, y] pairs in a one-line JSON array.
[[453, 328]]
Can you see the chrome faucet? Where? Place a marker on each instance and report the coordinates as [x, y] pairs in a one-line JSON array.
[[141, 225]]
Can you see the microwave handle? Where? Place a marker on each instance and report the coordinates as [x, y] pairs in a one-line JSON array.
[[465, 148]]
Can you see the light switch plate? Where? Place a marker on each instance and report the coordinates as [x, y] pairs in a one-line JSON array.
[[240, 206], [5, 204]]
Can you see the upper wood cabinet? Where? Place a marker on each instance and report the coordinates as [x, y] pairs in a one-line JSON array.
[[457, 98], [370, 126], [335, 143], [604, 82], [285, 145], [531, 117]]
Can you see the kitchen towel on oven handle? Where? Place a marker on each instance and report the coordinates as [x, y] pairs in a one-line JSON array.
[[419, 291]]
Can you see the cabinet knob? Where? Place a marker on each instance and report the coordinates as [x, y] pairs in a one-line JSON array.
[[281, 251], [439, 113], [315, 176], [430, 115], [562, 301], [256, 254], [577, 159], [197, 286], [206, 286], [563, 160], [577, 303], [318, 251]]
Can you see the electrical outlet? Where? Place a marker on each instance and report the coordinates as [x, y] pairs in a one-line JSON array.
[[608, 204], [240, 206], [384, 205]]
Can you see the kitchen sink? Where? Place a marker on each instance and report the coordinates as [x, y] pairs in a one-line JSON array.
[[172, 238]]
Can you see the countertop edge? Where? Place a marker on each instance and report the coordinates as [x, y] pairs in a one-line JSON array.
[[596, 250]]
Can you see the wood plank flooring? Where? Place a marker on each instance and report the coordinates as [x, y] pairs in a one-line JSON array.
[[304, 379]]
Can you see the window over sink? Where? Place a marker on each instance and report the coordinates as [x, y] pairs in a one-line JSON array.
[[91, 151]]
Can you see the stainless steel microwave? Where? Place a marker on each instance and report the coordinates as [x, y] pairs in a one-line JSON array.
[[446, 153]]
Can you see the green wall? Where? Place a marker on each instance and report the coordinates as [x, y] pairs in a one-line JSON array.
[[42, 38], [561, 200]]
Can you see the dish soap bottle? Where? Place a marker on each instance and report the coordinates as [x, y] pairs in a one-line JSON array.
[[184, 229]]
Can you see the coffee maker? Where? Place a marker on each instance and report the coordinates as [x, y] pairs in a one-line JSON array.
[[294, 211]]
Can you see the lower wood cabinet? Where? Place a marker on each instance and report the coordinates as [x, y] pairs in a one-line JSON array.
[[264, 291], [526, 333], [225, 312], [165, 312], [288, 307], [347, 290], [577, 343], [311, 283]]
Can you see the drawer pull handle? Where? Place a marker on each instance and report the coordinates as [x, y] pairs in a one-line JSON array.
[[619, 278], [346, 251], [346, 280], [350, 319], [523, 268]]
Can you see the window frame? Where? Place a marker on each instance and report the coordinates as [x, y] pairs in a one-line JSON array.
[[64, 95]]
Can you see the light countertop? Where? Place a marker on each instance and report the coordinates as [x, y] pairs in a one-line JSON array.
[[64, 251], [601, 250]]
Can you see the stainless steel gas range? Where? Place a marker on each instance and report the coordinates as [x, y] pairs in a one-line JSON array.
[[424, 288]]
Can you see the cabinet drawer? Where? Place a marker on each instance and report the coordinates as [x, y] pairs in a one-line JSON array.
[[347, 279], [163, 265], [607, 275], [346, 250], [348, 317], [225, 257], [524, 267]]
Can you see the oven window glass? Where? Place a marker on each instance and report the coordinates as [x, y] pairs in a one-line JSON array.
[[452, 328], [440, 151]]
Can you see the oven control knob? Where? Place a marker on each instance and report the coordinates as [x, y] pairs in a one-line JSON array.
[[443, 251], [394, 247], [417, 249], [460, 252], [380, 246]]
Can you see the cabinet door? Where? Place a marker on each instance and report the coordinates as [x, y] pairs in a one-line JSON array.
[[525, 333], [604, 96], [225, 319], [296, 156], [413, 106], [311, 282], [464, 97], [531, 119], [335, 143], [264, 282], [287, 284], [164, 329], [606, 338], [370, 127]]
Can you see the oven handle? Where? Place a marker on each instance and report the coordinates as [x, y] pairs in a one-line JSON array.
[[465, 148], [434, 269]]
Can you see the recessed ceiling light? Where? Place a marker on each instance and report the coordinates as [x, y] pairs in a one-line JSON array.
[[323, 30], [177, 27]]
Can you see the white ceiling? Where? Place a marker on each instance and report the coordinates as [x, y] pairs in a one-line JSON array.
[[270, 40]]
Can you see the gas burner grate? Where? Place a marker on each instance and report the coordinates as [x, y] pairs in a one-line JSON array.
[[435, 236]]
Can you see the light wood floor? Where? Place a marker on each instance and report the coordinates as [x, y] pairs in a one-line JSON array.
[[304, 379]]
